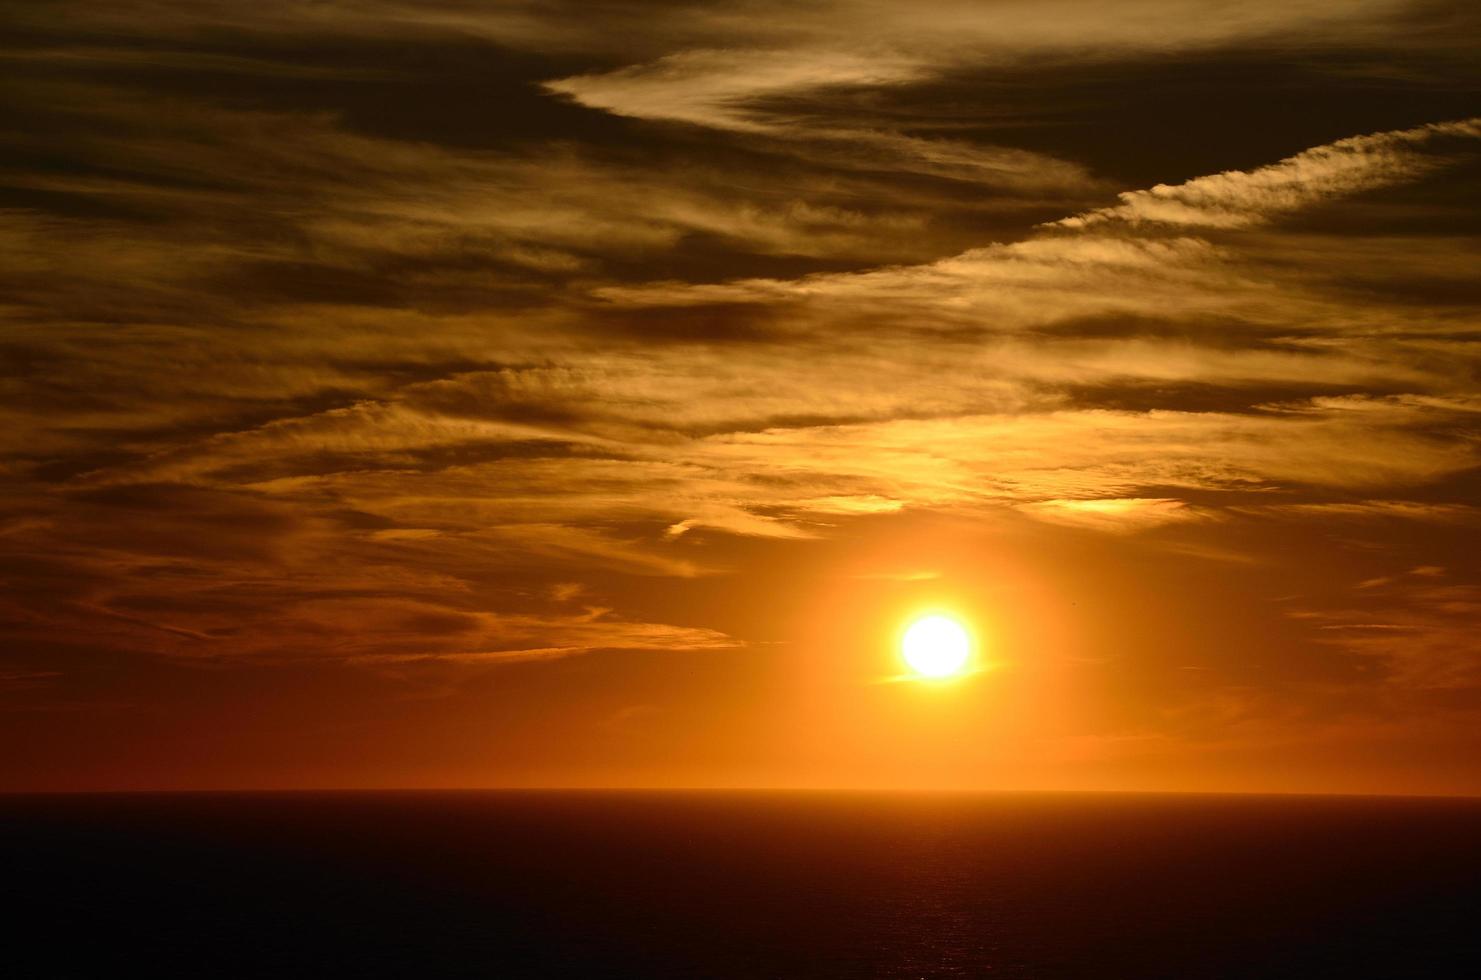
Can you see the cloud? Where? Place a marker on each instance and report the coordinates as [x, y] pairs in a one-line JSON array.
[[1421, 635], [1369, 510], [505, 638], [792, 84], [1116, 514], [713, 88], [724, 89], [769, 47], [474, 444], [1237, 199]]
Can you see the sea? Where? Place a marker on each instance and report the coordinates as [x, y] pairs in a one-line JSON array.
[[515, 884]]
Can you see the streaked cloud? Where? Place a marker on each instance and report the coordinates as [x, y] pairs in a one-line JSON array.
[[1239, 199], [713, 88], [1113, 513]]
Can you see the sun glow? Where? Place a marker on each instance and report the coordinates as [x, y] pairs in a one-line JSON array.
[[936, 646]]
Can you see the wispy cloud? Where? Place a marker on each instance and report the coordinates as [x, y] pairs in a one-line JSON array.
[[716, 88], [1237, 199]]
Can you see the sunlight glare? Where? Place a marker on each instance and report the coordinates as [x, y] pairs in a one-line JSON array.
[[936, 646]]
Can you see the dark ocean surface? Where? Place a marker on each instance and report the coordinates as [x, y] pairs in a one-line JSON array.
[[658, 885]]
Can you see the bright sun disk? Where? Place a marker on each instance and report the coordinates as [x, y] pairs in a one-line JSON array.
[[936, 646]]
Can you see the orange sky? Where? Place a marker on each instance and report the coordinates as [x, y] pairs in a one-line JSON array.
[[476, 394]]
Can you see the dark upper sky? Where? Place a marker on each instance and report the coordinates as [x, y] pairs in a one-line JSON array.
[[482, 393]]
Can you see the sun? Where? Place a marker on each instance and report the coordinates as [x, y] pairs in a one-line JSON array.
[[936, 646]]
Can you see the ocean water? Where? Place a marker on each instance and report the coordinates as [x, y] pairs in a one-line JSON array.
[[658, 885]]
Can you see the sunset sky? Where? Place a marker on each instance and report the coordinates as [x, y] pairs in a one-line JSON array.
[[583, 393]]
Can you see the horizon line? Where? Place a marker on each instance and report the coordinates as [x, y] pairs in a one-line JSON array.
[[721, 790]]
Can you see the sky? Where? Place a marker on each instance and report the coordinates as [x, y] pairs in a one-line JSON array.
[[560, 393]]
